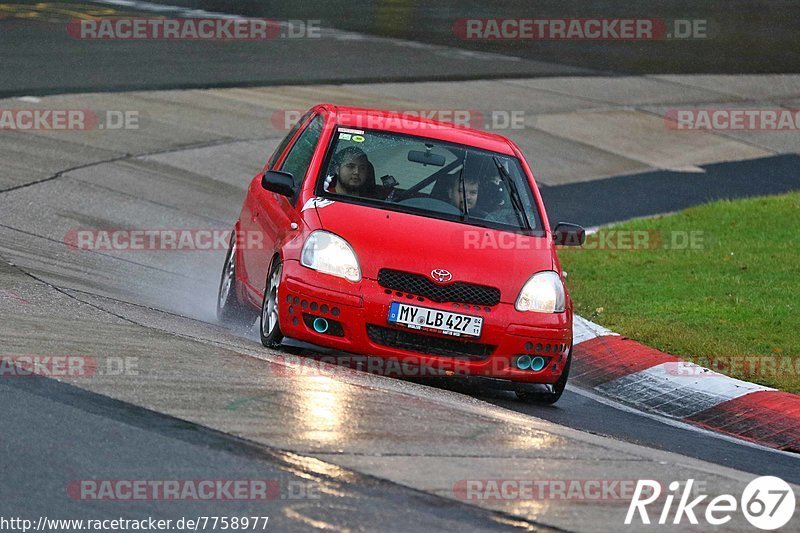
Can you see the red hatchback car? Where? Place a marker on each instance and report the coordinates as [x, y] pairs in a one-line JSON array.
[[446, 261]]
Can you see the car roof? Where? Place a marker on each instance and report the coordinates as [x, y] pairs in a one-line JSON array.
[[412, 124]]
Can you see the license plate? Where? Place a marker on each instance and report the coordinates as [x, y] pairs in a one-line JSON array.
[[425, 319]]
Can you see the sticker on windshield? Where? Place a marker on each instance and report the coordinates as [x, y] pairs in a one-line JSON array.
[[348, 130], [358, 138], [316, 202], [345, 136]]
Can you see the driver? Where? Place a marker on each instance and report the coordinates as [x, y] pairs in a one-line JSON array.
[[353, 174]]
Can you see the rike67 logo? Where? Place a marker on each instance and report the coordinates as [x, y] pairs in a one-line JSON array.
[[767, 502]]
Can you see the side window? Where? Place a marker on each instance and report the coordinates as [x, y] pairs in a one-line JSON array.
[[303, 150], [286, 140]]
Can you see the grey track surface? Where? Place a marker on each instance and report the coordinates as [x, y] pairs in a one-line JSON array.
[[351, 433], [89, 436], [639, 195], [55, 62], [197, 150], [578, 411], [379, 41], [743, 36]]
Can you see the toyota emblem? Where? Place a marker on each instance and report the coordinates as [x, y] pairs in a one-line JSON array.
[[441, 275]]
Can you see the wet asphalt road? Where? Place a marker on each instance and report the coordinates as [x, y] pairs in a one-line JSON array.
[[55, 62], [577, 410], [81, 433], [374, 40], [640, 195], [56, 435]]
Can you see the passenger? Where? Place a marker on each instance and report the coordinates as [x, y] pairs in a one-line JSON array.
[[456, 196], [353, 174]]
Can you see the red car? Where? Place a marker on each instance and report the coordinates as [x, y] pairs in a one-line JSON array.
[[446, 261]]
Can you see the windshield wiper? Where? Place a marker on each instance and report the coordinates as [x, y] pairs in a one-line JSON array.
[[463, 186], [516, 201]]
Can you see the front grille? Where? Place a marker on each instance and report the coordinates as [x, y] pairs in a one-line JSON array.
[[427, 344], [468, 293]]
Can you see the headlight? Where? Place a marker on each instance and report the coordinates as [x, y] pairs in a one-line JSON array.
[[543, 293], [329, 253]]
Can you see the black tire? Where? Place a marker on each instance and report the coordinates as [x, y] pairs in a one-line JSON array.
[[229, 308], [269, 325], [549, 398]]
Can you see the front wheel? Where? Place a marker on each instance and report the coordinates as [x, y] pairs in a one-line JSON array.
[[557, 388], [229, 309], [270, 328]]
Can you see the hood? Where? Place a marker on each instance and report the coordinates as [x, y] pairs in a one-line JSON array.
[[417, 244]]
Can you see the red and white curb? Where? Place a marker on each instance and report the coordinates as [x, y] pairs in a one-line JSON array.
[[649, 380]]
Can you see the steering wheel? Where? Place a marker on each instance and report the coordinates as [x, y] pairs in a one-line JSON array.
[[431, 204]]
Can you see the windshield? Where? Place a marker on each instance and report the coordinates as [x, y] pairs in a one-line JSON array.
[[429, 177]]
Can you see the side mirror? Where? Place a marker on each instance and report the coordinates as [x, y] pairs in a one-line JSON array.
[[279, 182], [567, 234]]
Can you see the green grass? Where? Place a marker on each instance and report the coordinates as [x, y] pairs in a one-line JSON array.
[[730, 302]]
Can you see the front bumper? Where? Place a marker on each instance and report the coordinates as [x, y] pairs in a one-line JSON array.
[[358, 314]]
